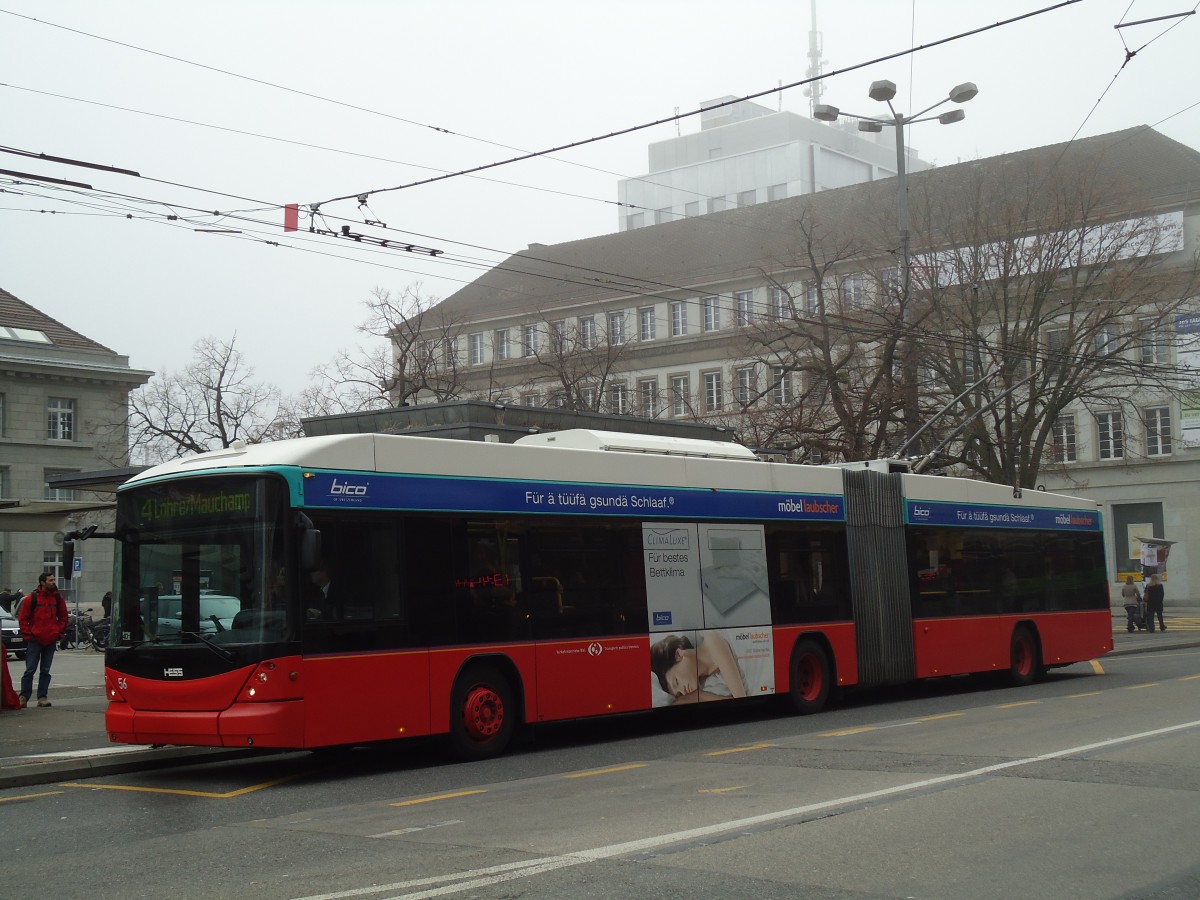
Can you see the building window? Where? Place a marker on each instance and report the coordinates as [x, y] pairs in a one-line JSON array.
[[662, 216], [1106, 341], [712, 313], [745, 386], [1158, 431], [52, 492], [681, 392], [529, 340], [971, 363], [60, 419], [781, 304], [500, 344], [52, 563], [618, 398], [812, 300], [558, 337], [450, 352], [781, 386], [691, 209], [529, 400], [1056, 342], [3, 489], [558, 399], [1, 415], [587, 396], [1062, 447], [714, 393], [587, 332], [616, 328], [1110, 435], [475, 347], [853, 294], [678, 318], [648, 397], [777, 192], [746, 198], [889, 283], [743, 302], [647, 328], [635, 220], [1155, 348], [716, 204]]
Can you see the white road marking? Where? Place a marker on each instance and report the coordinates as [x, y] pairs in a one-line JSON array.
[[477, 878]]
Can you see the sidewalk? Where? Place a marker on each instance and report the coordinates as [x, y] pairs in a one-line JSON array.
[[67, 741]]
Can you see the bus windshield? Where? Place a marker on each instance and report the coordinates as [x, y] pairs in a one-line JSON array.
[[205, 560]]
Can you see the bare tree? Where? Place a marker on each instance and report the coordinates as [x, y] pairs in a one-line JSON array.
[[1043, 302], [579, 364], [208, 405], [829, 339], [425, 360]]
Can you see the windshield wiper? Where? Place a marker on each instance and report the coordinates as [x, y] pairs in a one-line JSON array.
[[212, 645]]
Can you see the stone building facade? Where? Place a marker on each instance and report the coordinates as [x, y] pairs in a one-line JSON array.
[[63, 405]]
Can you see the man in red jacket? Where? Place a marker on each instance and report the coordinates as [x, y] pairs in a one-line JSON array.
[[43, 620]]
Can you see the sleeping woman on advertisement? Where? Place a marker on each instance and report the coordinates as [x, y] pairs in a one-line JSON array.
[[689, 674]]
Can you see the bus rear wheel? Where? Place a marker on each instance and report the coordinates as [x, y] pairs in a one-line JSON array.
[[1026, 664], [482, 713], [811, 677]]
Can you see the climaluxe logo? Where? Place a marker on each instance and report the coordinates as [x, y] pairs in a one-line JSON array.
[[346, 489]]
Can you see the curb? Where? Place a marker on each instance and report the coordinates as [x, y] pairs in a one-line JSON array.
[[52, 768]]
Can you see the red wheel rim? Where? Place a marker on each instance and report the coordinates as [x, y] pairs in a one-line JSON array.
[[483, 713], [1023, 656], [808, 677]]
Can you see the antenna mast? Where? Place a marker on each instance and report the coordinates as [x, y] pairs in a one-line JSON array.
[[813, 90]]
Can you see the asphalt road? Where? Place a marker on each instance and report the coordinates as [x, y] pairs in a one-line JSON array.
[[1082, 786]]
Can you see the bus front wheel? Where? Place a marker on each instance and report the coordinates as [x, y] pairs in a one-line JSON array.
[[811, 677], [1026, 663], [482, 713]]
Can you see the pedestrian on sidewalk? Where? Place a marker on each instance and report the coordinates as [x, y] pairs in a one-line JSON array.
[[1132, 598], [7, 599], [43, 621], [1154, 603]]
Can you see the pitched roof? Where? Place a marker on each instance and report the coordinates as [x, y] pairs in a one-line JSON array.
[[16, 313], [748, 241]]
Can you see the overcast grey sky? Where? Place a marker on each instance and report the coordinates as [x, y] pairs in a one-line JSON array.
[[501, 78]]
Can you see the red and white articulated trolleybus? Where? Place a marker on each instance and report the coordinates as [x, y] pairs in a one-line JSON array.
[[344, 589]]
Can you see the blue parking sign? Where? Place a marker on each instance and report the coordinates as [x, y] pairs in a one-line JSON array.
[[77, 565]]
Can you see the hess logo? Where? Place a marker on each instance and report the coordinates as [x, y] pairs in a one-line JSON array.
[[348, 490]]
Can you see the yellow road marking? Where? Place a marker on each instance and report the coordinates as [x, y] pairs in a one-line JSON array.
[[739, 749], [1189, 677], [1096, 667], [1088, 694], [1019, 703], [847, 731], [438, 797], [722, 790], [942, 716], [607, 771], [29, 796], [1138, 687], [186, 793]]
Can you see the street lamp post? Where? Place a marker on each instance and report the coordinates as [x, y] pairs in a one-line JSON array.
[[884, 91]]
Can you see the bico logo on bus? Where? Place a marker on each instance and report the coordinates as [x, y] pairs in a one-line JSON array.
[[346, 489]]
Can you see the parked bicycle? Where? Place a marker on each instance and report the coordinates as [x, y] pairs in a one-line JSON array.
[[79, 630], [100, 632]]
